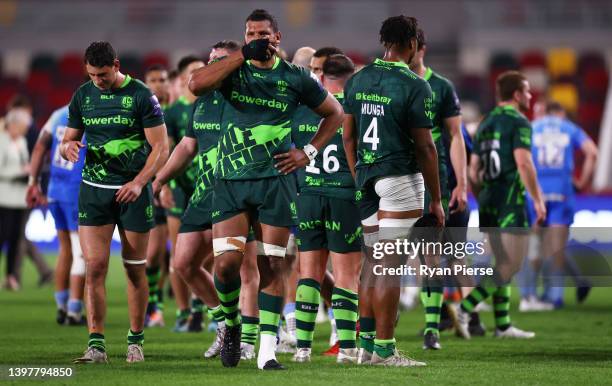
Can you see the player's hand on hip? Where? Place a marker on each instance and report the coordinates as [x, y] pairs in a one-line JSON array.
[[166, 198], [540, 208], [458, 200], [71, 151], [435, 208], [290, 161], [129, 192]]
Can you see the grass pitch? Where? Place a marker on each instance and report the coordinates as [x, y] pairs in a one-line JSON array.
[[572, 346]]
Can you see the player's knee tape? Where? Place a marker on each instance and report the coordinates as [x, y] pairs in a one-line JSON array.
[[401, 193], [291, 247], [134, 261], [265, 249], [395, 228], [227, 244], [78, 262]]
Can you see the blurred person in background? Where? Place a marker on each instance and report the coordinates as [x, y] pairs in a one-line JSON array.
[[555, 140], [319, 57], [302, 57], [174, 91], [62, 201], [14, 168]]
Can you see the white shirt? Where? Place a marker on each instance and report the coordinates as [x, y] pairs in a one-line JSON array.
[[13, 179]]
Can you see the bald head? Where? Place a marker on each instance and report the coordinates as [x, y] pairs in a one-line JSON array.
[[302, 57]]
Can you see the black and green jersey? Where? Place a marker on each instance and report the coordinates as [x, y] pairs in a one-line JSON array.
[[387, 100], [205, 128], [177, 117], [328, 174], [114, 122], [501, 132], [258, 114], [445, 104]]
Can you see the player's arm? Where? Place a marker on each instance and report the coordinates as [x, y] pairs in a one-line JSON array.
[[427, 158], [331, 112], [349, 140], [458, 159], [41, 149], [210, 77], [526, 169], [589, 149], [158, 140], [475, 179], [71, 144], [181, 157]]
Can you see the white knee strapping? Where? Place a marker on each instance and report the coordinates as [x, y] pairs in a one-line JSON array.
[[226, 244], [78, 262], [401, 193], [371, 221], [395, 228], [134, 262], [291, 247], [265, 249]]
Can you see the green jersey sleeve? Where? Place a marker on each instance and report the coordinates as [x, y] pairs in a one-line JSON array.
[[313, 94], [450, 106], [418, 112], [74, 112], [521, 135], [149, 108]]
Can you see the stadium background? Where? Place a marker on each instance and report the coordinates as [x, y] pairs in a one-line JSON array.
[[562, 46]]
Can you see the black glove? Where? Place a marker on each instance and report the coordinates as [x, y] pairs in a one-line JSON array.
[[257, 50]]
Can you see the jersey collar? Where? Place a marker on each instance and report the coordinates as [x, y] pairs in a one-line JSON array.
[[386, 63], [428, 73], [126, 81], [276, 63]]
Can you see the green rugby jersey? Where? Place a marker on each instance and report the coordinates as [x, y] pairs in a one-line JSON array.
[[258, 114], [445, 104], [205, 127], [387, 100], [328, 174], [178, 117], [500, 132], [114, 122]]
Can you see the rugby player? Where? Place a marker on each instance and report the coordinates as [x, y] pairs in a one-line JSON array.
[[254, 186], [390, 151], [501, 168], [126, 145]]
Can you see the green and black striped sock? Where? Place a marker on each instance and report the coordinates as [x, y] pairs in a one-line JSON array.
[[250, 327], [476, 296], [270, 308], [501, 306], [307, 298], [432, 303], [345, 307], [135, 337], [97, 340], [367, 333], [216, 314], [384, 347], [196, 305], [229, 294], [153, 275]]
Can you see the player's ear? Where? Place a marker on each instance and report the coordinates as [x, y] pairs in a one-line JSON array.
[[116, 65], [278, 36]]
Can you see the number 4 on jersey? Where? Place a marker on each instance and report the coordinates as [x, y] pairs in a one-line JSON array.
[[371, 134]]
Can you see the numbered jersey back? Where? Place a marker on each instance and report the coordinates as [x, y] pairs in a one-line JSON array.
[[499, 134], [387, 101]]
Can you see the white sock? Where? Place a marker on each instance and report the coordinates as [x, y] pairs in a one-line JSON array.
[[267, 349]]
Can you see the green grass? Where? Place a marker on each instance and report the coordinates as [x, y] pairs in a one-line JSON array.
[[573, 346]]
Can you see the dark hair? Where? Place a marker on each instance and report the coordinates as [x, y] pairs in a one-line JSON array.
[[261, 15], [398, 30], [186, 61], [554, 107], [509, 82], [18, 100], [338, 66], [173, 74], [155, 67], [327, 51], [420, 39], [230, 45], [100, 54]]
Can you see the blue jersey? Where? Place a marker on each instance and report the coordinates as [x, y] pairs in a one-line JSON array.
[[554, 142], [64, 176]]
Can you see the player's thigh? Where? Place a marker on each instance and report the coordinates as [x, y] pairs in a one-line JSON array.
[[97, 206], [313, 264], [347, 267], [138, 216], [343, 229], [237, 225], [95, 243], [133, 245], [278, 208], [400, 196]]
